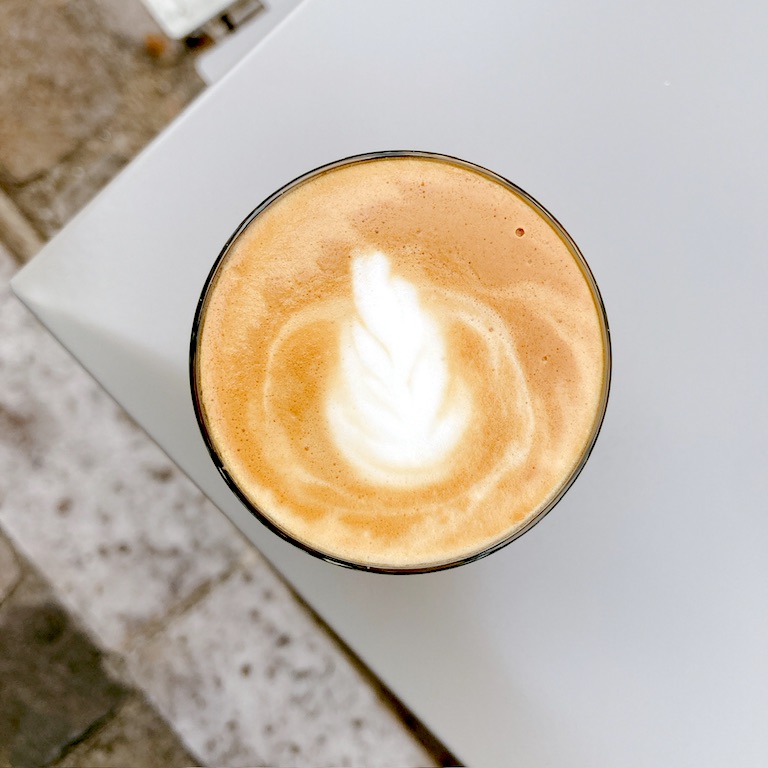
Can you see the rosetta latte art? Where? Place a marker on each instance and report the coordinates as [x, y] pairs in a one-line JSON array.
[[398, 406], [401, 363], [392, 409]]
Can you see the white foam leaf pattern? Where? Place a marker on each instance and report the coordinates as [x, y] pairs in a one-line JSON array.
[[392, 410]]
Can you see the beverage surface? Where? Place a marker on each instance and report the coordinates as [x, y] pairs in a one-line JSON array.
[[401, 362]]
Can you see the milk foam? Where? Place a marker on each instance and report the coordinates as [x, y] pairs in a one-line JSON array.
[[392, 409]]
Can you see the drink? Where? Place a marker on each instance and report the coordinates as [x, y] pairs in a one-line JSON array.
[[401, 362]]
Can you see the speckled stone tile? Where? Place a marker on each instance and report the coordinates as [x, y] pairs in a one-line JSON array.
[[54, 685], [46, 82], [82, 90], [135, 736], [248, 678], [9, 568], [113, 525]]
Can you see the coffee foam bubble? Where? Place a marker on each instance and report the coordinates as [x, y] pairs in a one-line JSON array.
[[392, 409]]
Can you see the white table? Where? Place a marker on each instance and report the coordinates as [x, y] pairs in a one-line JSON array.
[[629, 628], [214, 63]]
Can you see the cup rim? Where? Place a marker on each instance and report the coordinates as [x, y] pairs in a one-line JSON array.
[[261, 516]]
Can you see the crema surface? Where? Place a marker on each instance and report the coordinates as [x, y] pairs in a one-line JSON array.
[[401, 362]]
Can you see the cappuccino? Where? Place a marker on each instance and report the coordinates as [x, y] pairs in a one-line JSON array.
[[400, 362]]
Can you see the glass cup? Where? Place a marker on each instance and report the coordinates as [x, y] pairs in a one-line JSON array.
[[294, 217]]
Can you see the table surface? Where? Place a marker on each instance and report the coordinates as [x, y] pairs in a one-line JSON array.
[[630, 627], [214, 63]]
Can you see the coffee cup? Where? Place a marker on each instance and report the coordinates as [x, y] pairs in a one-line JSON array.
[[400, 362]]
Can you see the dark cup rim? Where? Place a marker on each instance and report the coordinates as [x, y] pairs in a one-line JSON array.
[[262, 516]]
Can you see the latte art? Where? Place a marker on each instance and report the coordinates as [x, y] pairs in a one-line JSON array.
[[392, 409], [401, 362]]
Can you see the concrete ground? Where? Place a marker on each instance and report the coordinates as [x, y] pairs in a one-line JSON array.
[[137, 627]]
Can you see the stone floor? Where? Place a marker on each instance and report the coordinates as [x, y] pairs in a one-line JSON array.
[[137, 627], [59, 702]]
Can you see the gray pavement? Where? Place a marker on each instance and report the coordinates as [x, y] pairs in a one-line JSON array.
[[59, 702], [81, 97], [137, 626]]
